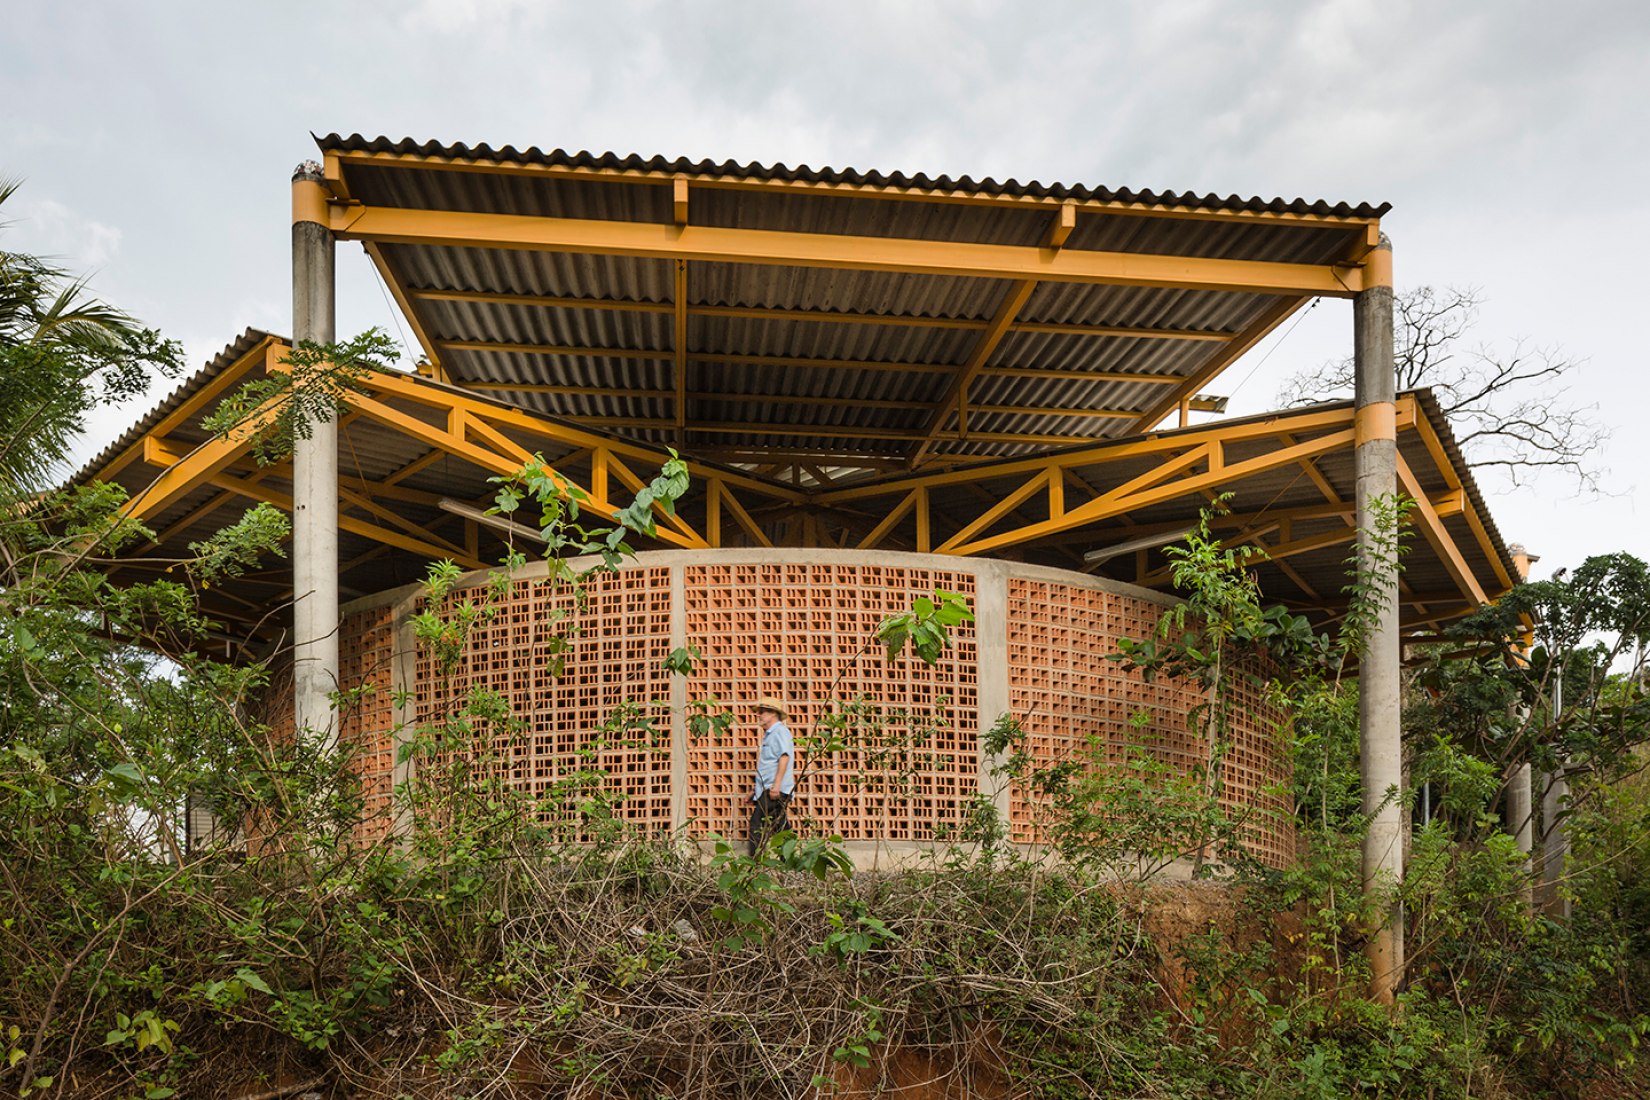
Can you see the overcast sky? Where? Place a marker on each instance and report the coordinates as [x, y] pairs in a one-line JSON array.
[[156, 141]]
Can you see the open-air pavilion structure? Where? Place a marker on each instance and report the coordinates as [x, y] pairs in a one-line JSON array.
[[966, 370]]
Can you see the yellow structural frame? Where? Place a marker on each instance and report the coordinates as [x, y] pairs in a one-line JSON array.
[[683, 243], [1186, 464]]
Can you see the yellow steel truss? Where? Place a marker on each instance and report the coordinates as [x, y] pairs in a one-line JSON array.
[[1064, 508]]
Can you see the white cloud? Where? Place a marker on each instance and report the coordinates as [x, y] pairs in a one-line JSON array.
[[50, 228]]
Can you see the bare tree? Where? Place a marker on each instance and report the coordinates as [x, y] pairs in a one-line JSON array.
[[1508, 405]]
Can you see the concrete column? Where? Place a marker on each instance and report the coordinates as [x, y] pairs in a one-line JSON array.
[[1521, 820], [314, 472], [1520, 788], [991, 651], [1375, 463], [678, 700], [1555, 839]]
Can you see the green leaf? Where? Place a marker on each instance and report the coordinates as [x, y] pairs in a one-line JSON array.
[[252, 981]]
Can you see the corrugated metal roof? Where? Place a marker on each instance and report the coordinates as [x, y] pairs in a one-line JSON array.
[[926, 321], [235, 350], [509, 154]]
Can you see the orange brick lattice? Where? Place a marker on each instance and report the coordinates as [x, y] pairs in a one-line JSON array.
[[366, 716], [798, 633], [619, 641], [1064, 691]]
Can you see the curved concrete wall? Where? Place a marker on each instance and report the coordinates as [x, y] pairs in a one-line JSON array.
[[798, 625]]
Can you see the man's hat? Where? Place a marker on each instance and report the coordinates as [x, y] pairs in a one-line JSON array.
[[772, 704]]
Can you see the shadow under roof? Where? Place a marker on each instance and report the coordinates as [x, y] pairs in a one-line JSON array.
[[762, 311]]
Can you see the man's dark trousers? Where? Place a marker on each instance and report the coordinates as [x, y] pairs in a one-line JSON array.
[[767, 818]]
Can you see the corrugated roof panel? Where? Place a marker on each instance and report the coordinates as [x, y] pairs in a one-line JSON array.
[[514, 324], [557, 274], [851, 217], [682, 165]]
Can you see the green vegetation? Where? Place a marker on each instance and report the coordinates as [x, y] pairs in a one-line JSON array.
[[516, 945]]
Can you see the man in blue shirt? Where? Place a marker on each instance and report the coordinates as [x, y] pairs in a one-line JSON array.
[[775, 774]]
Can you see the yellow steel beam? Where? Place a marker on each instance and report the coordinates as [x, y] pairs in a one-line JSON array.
[[1233, 350], [655, 356], [820, 316], [679, 200], [956, 391], [1103, 452], [997, 511], [667, 395], [889, 521], [338, 161], [636, 484], [548, 301], [1061, 226], [571, 351], [1044, 410], [1442, 542], [1481, 534], [359, 501], [182, 473], [744, 518], [196, 403], [480, 456], [408, 309], [354, 526], [717, 244], [448, 399], [713, 512], [1144, 491], [757, 428]]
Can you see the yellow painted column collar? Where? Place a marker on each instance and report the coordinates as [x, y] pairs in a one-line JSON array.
[[1375, 421], [309, 201]]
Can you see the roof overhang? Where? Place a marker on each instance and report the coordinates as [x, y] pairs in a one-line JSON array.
[[763, 313]]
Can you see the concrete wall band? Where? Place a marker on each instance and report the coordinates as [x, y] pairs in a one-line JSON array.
[[1375, 464], [315, 471]]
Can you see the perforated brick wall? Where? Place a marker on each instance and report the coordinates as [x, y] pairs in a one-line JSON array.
[[1064, 691], [804, 634], [801, 630], [619, 639], [366, 718]]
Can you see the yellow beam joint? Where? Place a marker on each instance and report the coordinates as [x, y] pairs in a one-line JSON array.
[[679, 200], [183, 473], [598, 474], [1059, 230]]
